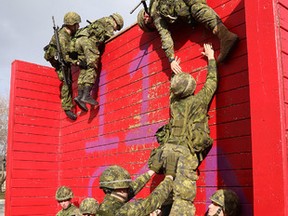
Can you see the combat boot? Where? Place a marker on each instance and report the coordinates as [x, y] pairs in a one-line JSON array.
[[227, 41], [78, 101], [70, 115], [87, 97]]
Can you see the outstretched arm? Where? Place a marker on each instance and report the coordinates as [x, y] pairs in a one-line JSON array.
[[210, 86]]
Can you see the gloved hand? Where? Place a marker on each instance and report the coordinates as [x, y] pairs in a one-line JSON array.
[[171, 165], [155, 161]]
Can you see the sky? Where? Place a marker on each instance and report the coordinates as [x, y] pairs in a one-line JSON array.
[[26, 27]]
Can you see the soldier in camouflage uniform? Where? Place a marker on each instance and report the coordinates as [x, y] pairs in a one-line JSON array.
[[163, 12], [86, 51], [119, 189], [187, 135], [64, 196], [89, 207], [224, 203], [71, 25]]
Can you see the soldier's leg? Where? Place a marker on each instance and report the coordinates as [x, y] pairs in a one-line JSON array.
[[77, 99], [66, 98], [202, 13], [184, 187], [89, 80]]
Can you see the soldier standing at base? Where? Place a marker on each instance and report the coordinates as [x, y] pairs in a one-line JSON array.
[[164, 12], [86, 52], [119, 189], [71, 25], [224, 203], [63, 196], [187, 134], [89, 207]]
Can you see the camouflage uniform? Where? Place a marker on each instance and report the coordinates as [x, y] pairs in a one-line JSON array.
[[165, 12], [64, 193], [188, 133], [88, 43], [110, 204], [64, 39], [70, 211], [143, 207]]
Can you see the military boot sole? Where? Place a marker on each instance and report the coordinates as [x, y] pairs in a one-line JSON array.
[[90, 101], [71, 115], [231, 43], [81, 105]]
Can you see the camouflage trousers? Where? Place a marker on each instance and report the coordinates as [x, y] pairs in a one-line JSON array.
[[65, 96], [87, 77], [184, 186], [202, 13]]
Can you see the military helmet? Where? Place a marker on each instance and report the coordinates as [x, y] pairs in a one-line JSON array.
[[115, 177], [228, 200], [183, 85], [63, 193], [89, 206], [141, 22], [119, 20], [71, 18]]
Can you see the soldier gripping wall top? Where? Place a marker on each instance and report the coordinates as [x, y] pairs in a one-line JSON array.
[[163, 12], [187, 134], [119, 189], [71, 25], [85, 50], [63, 196]]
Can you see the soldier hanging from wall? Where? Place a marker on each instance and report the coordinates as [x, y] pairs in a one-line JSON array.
[[56, 52], [85, 50], [164, 12]]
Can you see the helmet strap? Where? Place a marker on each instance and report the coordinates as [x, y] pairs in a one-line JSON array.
[[118, 195]]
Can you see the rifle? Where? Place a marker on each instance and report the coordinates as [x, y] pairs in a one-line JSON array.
[[59, 57], [145, 7]]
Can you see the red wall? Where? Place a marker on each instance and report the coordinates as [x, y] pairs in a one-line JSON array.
[[47, 150], [33, 140]]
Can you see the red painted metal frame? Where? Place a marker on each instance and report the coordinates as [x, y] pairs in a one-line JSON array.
[[269, 144]]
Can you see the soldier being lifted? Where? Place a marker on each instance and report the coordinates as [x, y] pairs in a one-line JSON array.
[[59, 59], [163, 12], [187, 134], [86, 52]]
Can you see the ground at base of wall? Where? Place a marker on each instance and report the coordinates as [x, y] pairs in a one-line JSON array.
[[2, 206]]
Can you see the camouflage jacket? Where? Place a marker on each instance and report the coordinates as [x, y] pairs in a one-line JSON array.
[[189, 115], [165, 12], [143, 207], [70, 211], [51, 48], [88, 41], [111, 204]]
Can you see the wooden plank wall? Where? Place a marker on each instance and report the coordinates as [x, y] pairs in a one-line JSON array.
[[133, 94], [33, 140], [134, 101], [282, 9]]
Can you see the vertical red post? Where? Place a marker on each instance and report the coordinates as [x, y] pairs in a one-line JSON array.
[[269, 146]]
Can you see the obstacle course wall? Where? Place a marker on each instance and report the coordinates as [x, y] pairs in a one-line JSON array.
[[47, 150]]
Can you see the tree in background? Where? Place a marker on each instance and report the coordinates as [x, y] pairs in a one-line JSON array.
[[4, 110]]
